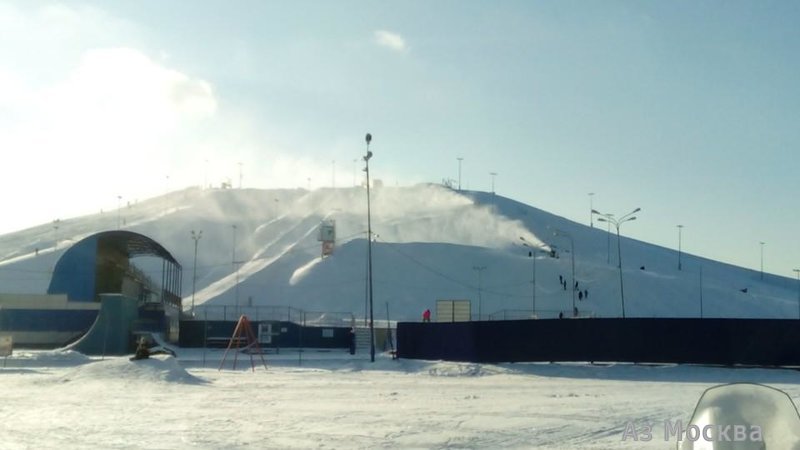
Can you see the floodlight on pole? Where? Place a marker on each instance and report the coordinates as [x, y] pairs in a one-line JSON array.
[[591, 209], [493, 174], [460, 159], [797, 271], [532, 254], [617, 222], [367, 157], [680, 229], [119, 213], [195, 237], [480, 270], [56, 224], [236, 267]]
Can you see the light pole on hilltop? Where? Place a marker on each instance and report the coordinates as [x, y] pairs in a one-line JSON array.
[[532, 254], [493, 174], [56, 224], [762, 260], [460, 159], [367, 157], [196, 237], [797, 271], [608, 237], [479, 269], [236, 268], [617, 222], [591, 209], [680, 229], [119, 212], [572, 253]]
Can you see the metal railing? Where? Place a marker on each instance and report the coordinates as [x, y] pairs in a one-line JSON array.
[[521, 314], [276, 313]]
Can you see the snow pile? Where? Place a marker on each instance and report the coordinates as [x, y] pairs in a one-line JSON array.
[[453, 369], [158, 369]]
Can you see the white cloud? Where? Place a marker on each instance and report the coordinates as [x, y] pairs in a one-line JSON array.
[[391, 40]]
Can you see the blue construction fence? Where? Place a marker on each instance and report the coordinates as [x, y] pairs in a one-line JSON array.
[[757, 342], [218, 333]]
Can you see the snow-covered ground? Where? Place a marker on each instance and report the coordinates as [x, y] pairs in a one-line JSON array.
[[332, 400]]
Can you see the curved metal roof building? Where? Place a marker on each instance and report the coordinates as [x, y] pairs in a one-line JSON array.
[[100, 264]]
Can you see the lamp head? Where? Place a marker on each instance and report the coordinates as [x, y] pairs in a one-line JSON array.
[[368, 138]]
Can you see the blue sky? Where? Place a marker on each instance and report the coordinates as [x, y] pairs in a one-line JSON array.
[[686, 109]]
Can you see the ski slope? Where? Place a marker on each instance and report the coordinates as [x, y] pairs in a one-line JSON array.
[[427, 241]]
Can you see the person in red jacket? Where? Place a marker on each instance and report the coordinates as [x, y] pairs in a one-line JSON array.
[[426, 316]]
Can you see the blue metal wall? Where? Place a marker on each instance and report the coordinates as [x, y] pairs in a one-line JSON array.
[[74, 273]]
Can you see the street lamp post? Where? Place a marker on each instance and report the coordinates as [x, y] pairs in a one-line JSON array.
[[460, 159], [493, 174], [56, 224], [680, 228], [236, 267], [797, 271], [532, 254], [762, 260], [572, 254], [617, 222], [479, 269], [119, 211], [591, 209], [196, 237], [369, 255]]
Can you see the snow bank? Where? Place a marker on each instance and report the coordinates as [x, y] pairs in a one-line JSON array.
[[159, 369]]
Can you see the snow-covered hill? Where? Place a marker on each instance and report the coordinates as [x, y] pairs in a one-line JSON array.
[[428, 242]]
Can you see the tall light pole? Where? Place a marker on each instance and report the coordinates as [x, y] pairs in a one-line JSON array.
[[591, 209], [572, 253], [532, 254], [196, 237], [369, 254], [762, 260], [56, 224], [460, 159], [680, 229], [608, 238], [479, 269], [797, 271], [617, 222], [119, 217], [493, 174], [236, 267]]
